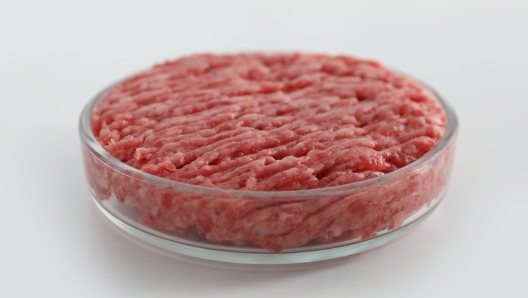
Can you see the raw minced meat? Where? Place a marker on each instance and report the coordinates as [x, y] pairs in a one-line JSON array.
[[265, 123], [268, 122]]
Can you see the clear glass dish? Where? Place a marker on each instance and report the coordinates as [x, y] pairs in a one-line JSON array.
[[313, 225]]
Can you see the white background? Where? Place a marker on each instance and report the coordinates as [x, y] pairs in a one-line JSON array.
[[55, 55]]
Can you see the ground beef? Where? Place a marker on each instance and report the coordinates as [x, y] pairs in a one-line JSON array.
[[269, 122]]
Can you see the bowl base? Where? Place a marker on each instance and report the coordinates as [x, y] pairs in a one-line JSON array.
[[268, 257]]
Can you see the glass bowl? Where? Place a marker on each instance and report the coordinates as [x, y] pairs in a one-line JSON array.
[[293, 226]]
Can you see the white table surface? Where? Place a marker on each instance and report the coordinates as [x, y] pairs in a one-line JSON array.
[[55, 55]]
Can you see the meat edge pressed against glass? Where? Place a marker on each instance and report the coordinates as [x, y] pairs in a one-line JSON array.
[[276, 220]]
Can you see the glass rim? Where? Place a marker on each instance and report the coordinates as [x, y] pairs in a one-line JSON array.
[[90, 143]]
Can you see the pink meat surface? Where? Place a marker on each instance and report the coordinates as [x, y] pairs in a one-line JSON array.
[[269, 122]]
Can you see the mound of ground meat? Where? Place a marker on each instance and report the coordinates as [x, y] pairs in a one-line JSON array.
[[268, 122], [265, 123]]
